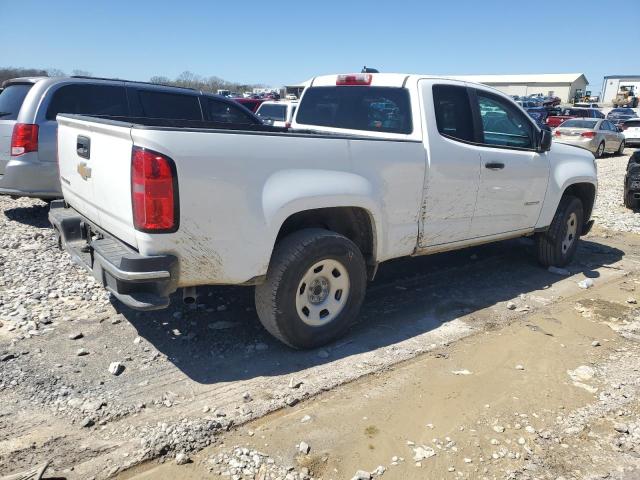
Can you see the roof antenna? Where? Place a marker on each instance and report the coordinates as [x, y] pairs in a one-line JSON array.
[[366, 69]]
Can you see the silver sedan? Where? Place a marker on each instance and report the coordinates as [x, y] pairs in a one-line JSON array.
[[596, 135]]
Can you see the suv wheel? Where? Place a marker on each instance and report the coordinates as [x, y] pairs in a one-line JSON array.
[[630, 201], [557, 246], [314, 288]]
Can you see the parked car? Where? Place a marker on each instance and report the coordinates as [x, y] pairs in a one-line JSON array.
[[378, 166], [586, 105], [28, 109], [539, 114], [250, 103], [597, 136], [632, 182], [631, 131], [620, 115], [279, 113], [572, 112]]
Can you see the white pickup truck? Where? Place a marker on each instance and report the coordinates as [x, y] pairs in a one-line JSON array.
[[375, 167]]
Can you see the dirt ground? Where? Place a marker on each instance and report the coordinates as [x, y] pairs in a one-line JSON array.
[[448, 347], [498, 404]]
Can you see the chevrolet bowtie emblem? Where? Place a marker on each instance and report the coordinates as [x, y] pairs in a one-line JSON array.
[[84, 171]]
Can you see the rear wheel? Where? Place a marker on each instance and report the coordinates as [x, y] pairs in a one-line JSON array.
[[557, 246], [600, 150], [314, 288]]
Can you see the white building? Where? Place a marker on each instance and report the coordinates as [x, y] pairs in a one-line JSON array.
[[612, 84], [563, 85]]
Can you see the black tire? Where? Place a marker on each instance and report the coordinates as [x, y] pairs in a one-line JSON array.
[[621, 148], [630, 201], [600, 151], [292, 258], [549, 244]]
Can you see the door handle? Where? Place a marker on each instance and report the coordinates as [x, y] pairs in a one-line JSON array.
[[494, 165]]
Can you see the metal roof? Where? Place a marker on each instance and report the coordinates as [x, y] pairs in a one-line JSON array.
[[621, 76], [524, 78]]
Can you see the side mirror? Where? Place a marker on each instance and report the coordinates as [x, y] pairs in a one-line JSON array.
[[545, 140]]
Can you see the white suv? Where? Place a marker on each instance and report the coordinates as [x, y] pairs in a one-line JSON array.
[[280, 113]]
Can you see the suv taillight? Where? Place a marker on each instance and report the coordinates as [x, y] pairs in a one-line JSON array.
[[154, 192], [24, 139]]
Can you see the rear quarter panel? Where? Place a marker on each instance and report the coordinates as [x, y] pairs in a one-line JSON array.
[[237, 189]]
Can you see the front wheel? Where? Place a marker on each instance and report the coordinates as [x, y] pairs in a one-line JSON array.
[[314, 288], [557, 246], [600, 150], [621, 148]]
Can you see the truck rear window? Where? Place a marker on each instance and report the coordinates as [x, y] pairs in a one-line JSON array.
[[374, 109], [11, 100]]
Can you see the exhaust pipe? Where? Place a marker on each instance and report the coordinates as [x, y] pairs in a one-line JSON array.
[[189, 295]]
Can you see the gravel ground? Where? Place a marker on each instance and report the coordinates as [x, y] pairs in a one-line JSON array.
[[187, 375], [610, 212]]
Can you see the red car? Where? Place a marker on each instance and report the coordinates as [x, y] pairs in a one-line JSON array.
[[250, 103], [566, 113]]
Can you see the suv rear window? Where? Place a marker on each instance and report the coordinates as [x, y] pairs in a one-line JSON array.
[[156, 104], [375, 109], [87, 99], [269, 111], [11, 100]]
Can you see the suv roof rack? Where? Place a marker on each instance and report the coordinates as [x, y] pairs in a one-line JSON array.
[[89, 77]]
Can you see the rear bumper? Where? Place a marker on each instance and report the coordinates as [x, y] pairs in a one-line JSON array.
[[30, 179], [140, 282]]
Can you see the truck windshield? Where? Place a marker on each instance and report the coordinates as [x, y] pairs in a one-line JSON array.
[[375, 109], [11, 100]]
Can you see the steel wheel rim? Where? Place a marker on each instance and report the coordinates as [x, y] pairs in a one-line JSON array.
[[572, 231], [322, 292]]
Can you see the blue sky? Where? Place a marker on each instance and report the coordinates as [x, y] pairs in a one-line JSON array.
[[286, 42]]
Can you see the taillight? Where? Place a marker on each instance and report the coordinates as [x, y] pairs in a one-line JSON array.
[[354, 79], [558, 133], [588, 134], [24, 139], [287, 124], [154, 192]]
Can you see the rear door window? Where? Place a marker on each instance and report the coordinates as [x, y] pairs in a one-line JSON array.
[[503, 124], [173, 106], [11, 100], [453, 112], [375, 109], [223, 112], [87, 99]]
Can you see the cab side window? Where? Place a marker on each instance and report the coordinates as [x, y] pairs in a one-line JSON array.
[[504, 125], [453, 112]]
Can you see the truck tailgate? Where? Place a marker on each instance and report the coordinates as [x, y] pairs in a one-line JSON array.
[[95, 173]]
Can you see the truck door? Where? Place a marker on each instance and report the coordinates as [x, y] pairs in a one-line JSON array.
[[513, 175], [453, 163]]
